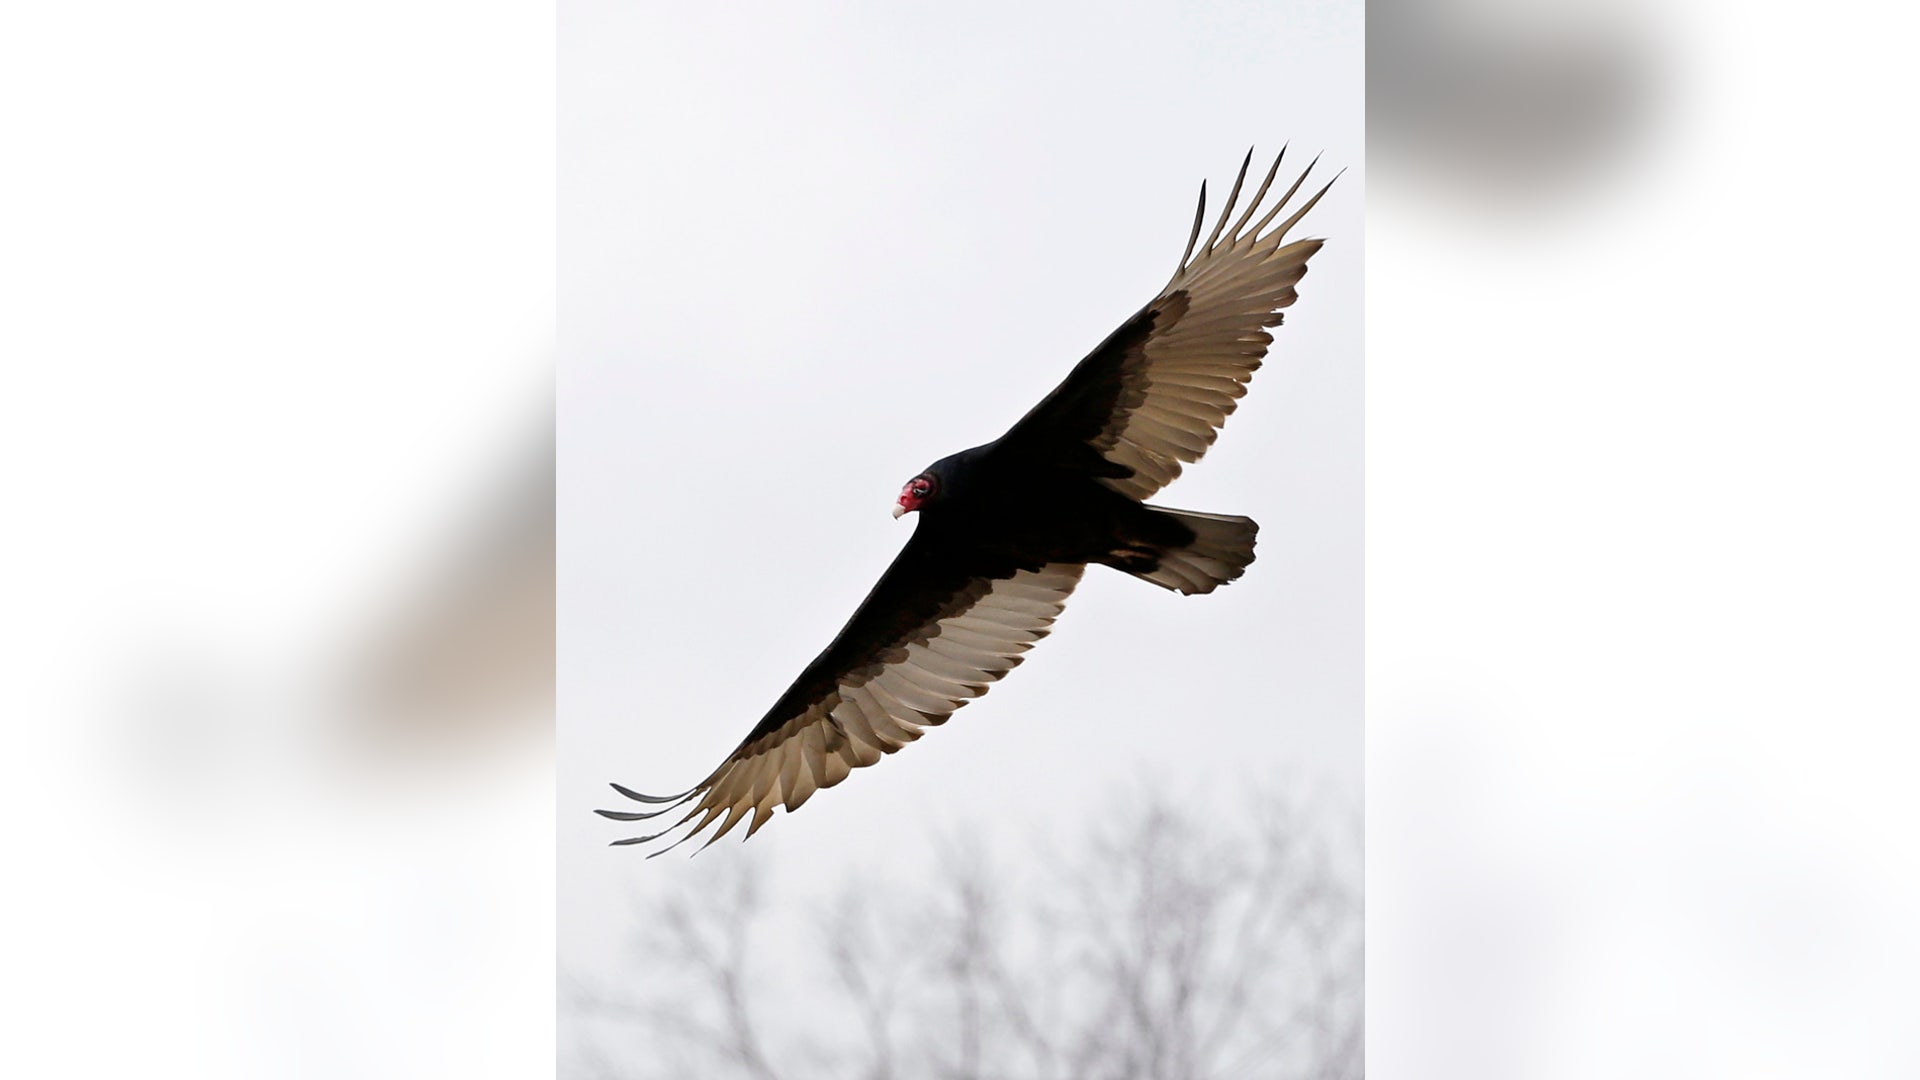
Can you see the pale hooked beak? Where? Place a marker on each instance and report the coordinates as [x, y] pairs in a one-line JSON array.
[[898, 509]]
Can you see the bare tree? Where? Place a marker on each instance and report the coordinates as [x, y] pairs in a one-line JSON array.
[[1159, 947]]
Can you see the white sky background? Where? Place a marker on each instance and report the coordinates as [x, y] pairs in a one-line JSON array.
[[802, 255]]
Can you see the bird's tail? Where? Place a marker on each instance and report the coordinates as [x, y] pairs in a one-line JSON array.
[[1219, 552]]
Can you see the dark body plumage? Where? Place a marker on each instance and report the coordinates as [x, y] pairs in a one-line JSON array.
[[1007, 529], [994, 502]]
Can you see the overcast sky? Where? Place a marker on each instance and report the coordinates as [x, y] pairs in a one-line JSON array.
[[804, 254], [1641, 585]]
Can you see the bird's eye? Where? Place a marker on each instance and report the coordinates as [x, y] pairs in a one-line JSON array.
[[921, 489]]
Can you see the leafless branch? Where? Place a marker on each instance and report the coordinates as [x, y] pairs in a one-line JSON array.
[[1160, 947]]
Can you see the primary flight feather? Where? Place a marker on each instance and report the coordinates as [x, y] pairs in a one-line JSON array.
[[1006, 529]]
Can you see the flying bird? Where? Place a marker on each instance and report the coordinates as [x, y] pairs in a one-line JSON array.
[[1006, 530]]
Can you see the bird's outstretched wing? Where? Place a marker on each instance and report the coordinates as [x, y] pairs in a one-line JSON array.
[[938, 628], [1155, 393]]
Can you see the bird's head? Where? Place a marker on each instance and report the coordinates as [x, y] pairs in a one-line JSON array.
[[917, 493]]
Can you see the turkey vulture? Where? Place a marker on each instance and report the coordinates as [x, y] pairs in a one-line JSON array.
[[1006, 529]]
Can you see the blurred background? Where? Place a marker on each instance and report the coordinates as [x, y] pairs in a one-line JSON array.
[[277, 424], [1640, 458], [278, 343]]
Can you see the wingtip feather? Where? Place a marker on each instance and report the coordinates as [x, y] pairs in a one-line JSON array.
[[638, 797], [1233, 196], [1199, 216]]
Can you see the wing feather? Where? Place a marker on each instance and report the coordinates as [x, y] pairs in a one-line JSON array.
[[892, 734], [1155, 394], [904, 712], [935, 633]]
